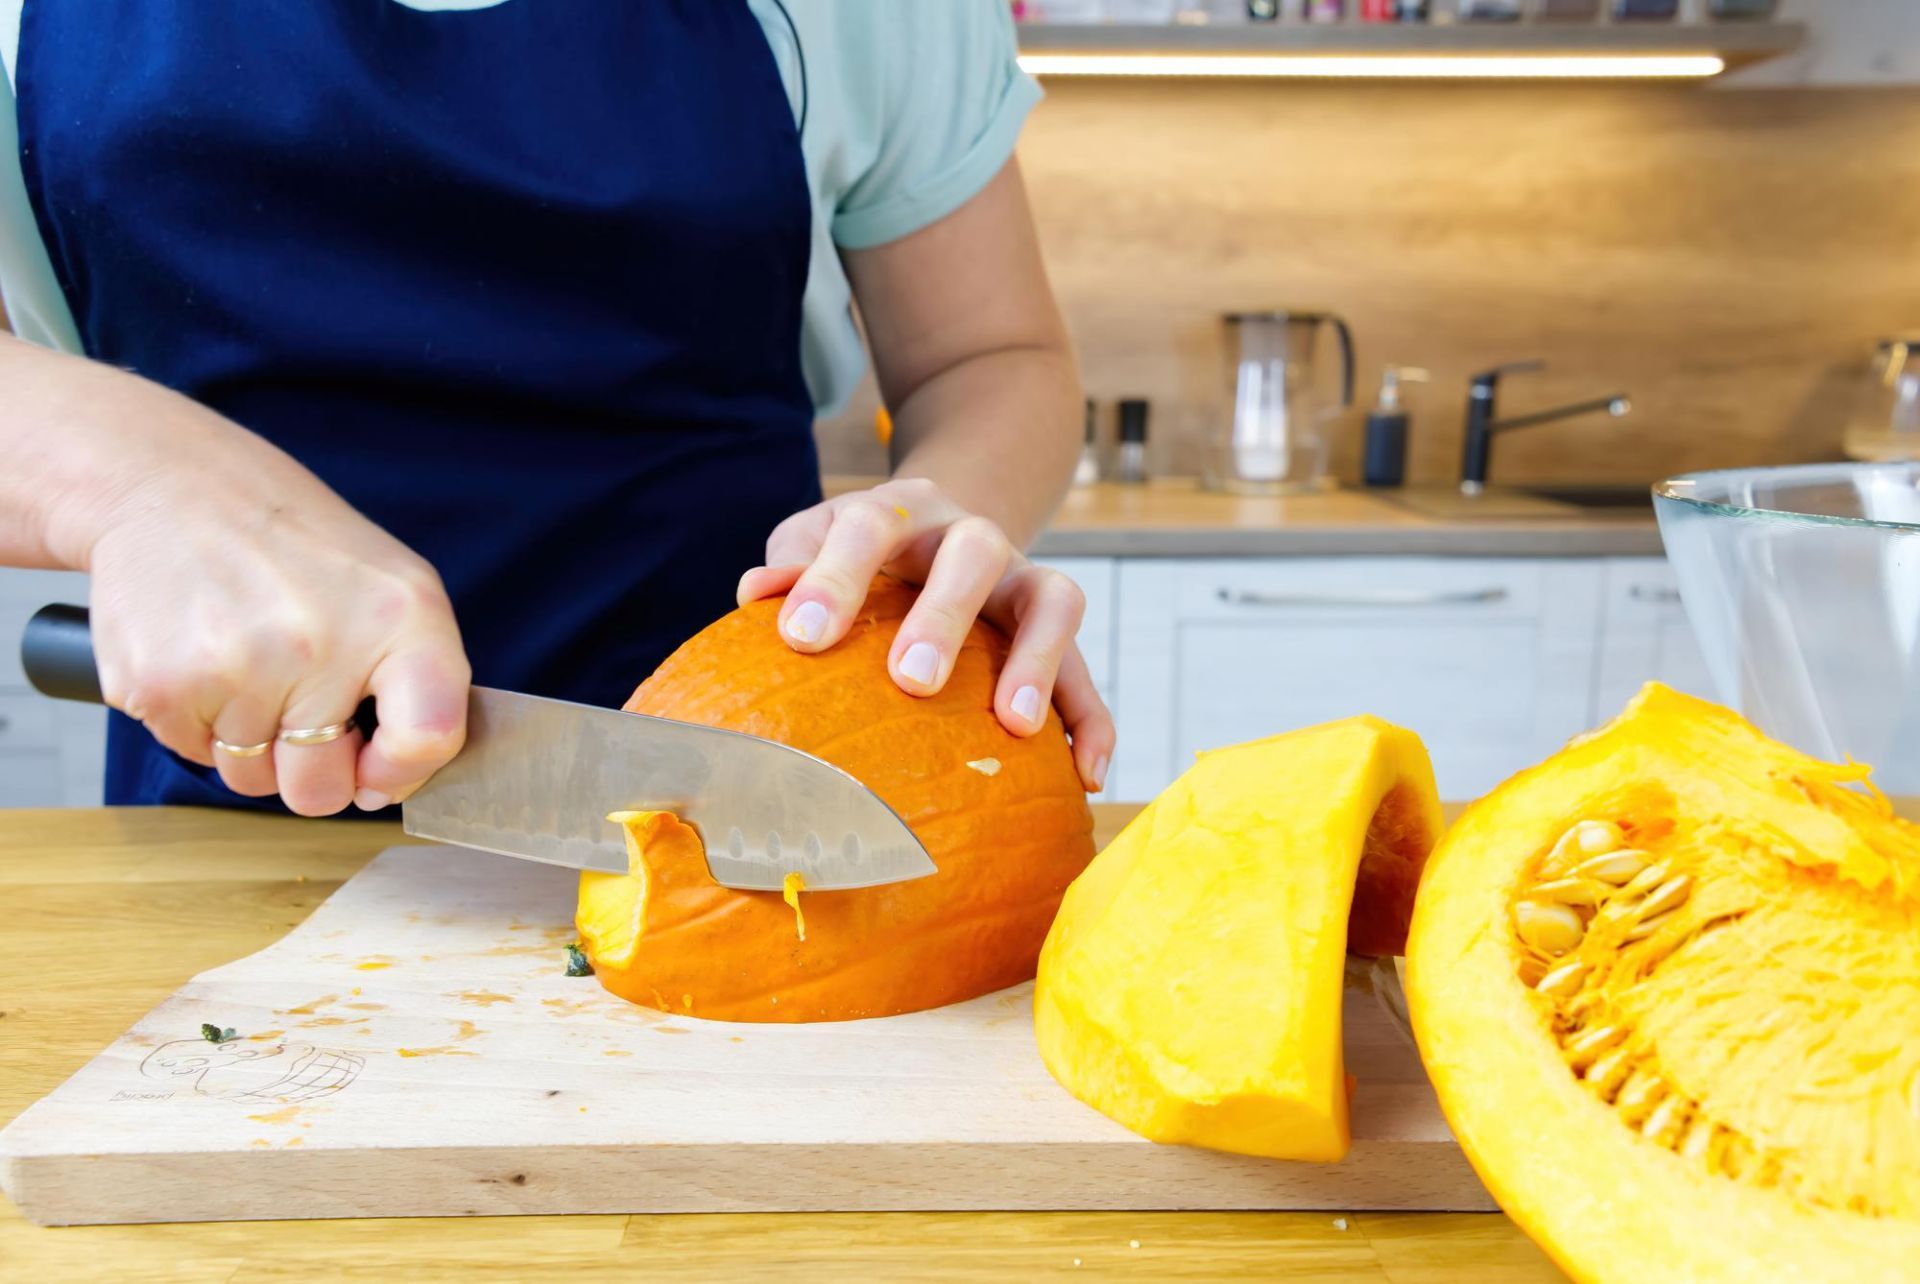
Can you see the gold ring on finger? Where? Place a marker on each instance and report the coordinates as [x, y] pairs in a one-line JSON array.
[[316, 735], [242, 751]]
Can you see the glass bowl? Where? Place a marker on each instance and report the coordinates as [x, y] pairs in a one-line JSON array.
[[1802, 585]]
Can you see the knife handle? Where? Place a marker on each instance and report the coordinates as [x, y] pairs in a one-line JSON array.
[[56, 651]]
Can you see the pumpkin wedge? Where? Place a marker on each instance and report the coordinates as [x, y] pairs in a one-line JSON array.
[[1667, 985], [1007, 841], [1191, 986]]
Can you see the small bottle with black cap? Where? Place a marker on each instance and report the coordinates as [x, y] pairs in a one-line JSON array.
[[1384, 462], [1132, 463]]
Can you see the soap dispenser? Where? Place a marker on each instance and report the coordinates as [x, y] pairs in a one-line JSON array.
[[1385, 459]]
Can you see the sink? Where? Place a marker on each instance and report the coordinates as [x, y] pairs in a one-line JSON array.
[[1616, 496]]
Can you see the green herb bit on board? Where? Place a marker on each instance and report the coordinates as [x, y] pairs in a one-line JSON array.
[[577, 964], [214, 1034]]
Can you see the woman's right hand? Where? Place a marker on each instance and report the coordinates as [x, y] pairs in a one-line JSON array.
[[234, 596]]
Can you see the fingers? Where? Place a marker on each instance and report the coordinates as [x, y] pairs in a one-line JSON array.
[[316, 779], [972, 558], [1043, 609], [766, 581], [821, 606], [246, 724], [173, 704], [797, 540], [174, 724], [422, 698], [825, 558], [1088, 721]]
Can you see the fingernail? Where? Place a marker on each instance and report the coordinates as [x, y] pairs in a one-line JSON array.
[[1026, 704], [920, 664], [370, 799], [1099, 774], [808, 623]]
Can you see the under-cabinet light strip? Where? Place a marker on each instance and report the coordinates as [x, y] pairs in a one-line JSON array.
[[1376, 66]]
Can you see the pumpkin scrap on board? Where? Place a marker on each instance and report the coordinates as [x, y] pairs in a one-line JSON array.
[[1667, 985], [1007, 841], [1191, 986]]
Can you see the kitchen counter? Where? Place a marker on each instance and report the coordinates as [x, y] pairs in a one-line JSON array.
[[110, 910], [1174, 517]]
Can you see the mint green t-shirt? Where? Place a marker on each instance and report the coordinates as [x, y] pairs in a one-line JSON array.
[[910, 107]]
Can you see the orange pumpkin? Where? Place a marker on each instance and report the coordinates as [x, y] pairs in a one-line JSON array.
[[1007, 839]]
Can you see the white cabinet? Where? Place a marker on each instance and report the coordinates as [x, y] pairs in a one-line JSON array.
[[1491, 661], [50, 750], [1646, 636]]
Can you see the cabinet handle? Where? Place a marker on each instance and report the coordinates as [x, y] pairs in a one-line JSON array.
[[1654, 593], [5, 723], [1366, 597]]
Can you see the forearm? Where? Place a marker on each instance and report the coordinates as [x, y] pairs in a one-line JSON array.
[[998, 432], [84, 444]]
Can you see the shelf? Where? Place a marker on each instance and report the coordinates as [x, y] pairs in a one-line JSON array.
[[1406, 50]]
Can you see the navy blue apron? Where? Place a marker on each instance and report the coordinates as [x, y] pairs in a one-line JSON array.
[[521, 283]]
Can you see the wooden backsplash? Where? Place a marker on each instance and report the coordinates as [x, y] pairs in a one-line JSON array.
[[1727, 258]]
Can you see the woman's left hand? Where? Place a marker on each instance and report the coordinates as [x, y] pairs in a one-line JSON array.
[[824, 558]]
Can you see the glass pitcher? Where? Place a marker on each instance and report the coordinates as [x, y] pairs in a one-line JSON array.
[[1272, 435], [1884, 423]]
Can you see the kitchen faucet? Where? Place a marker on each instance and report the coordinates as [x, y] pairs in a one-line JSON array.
[[1481, 425]]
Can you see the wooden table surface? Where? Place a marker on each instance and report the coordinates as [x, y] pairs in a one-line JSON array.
[[108, 911]]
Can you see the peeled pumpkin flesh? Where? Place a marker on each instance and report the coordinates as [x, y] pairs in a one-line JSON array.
[[1667, 985], [1191, 985]]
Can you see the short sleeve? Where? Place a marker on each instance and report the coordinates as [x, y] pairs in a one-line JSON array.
[[951, 99], [31, 304]]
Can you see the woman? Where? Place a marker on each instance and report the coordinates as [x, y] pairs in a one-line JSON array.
[[378, 344]]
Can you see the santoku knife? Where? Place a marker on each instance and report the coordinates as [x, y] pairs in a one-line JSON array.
[[538, 777]]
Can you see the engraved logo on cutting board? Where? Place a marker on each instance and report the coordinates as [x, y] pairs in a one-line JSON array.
[[252, 1072]]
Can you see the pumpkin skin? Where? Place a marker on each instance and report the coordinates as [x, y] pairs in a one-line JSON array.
[[1759, 1118], [1191, 986], [1006, 844]]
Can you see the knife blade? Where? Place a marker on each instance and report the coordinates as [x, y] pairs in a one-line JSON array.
[[538, 777]]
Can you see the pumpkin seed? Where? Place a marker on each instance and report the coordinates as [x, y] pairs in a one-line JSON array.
[[1699, 1139], [1616, 868], [1586, 838], [1564, 981], [1647, 927], [1552, 929], [1663, 1125], [1569, 891], [1583, 1047], [1642, 1091], [1670, 895], [1654, 950], [1606, 1075], [1647, 879]]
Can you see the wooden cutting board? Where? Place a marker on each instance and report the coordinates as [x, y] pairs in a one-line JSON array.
[[414, 1048]]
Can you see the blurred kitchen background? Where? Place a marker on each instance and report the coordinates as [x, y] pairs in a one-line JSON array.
[[1732, 260]]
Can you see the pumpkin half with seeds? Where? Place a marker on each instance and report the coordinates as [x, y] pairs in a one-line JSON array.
[[1004, 817], [1667, 984], [1191, 987]]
